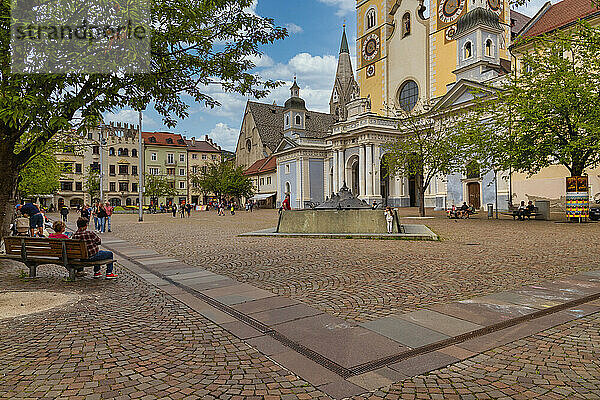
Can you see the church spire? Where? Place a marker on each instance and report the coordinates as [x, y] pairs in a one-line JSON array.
[[344, 47], [345, 87]]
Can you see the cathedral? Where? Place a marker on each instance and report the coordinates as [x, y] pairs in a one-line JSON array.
[[407, 56]]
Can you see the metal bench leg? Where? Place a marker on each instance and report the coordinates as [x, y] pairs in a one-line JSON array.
[[32, 270], [71, 274]]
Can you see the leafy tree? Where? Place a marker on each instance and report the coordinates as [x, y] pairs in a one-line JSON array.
[[92, 183], [223, 179], [158, 186], [40, 177], [429, 145], [195, 44], [549, 111]]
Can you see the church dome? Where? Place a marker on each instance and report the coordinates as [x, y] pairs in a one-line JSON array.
[[478, 16], [295, 103]]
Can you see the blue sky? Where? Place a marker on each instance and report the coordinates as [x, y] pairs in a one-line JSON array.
[[310, 52]]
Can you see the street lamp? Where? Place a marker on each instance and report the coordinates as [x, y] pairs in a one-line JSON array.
[[140, 171]]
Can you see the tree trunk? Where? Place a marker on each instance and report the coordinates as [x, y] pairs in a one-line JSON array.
[[421, 194], [9, 175]]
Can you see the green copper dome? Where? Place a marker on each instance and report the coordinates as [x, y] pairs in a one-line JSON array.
[[478, 16]]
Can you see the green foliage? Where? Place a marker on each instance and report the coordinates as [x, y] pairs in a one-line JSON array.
[[91, 183], [40, 176], [223, 179], [549, 111], [429, 144], [158, 186]]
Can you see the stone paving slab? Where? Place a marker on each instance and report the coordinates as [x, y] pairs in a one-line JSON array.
[[442, 323], [341, 389], [285, 314], [270, 303], [404, 332], [423, 363], [483, 314], [308, 369], [162, 260], [342, 342]]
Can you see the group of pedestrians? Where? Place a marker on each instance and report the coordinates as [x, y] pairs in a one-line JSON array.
[[182, 209], [101, 213]]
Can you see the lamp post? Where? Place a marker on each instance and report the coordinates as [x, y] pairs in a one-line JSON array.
[[101, 163], [140, 171]]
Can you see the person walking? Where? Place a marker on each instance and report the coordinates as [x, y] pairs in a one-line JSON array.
[[92, 242], [109, 212], [101, 218], [232, 208], [36, 219], [389, 219], [96, 219], [85, 212], [174, 210], [188, 208], [64, 212]]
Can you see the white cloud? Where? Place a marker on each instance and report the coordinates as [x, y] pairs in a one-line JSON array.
[[224, 136], [344, 6], [293, 28], [261, 61]]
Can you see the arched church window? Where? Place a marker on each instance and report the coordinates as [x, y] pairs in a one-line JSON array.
[[111, 151], [409, 95], [288, 189], [371, 18], [249, 145], [406, 25], [336, 97], [298, 120], [488, 48], [468, 50]]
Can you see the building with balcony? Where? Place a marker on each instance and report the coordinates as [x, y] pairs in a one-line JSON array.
[[165, 154], [200, 154]]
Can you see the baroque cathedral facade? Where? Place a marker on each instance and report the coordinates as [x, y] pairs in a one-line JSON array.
[[406, 58]]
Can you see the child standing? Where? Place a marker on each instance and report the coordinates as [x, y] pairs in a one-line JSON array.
[[389, 218]]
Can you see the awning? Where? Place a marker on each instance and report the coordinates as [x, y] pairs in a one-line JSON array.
[[262, 196]]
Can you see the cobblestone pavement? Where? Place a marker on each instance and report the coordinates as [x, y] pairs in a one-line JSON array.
[[361, 280], [127, 340], [560, 363]]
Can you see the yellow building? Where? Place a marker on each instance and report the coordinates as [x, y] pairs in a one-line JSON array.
[[404, 56]]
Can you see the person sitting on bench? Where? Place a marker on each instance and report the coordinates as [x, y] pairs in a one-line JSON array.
[[529, 210], [522, 211], [92, 242], [464, 210], [59, 230]]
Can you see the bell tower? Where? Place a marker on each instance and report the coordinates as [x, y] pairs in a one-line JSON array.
[[444, 17], [373, 28]]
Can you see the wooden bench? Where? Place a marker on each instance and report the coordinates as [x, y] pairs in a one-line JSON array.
[[37, 251], [514, 212]]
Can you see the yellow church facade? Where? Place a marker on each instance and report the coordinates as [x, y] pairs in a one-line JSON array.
[[405, 48]]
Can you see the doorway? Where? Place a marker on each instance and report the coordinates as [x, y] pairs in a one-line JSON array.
[[385, 183], [355, 179], [474, 189], [412, 191]]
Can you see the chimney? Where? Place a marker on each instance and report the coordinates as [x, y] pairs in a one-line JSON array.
[[194, 141], [206, 138]]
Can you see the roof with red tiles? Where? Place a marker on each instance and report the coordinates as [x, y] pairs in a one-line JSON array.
[[560, 15], [163, 139], [262, 166]]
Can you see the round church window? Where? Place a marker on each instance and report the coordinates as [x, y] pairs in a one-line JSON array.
[[409, 94]]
